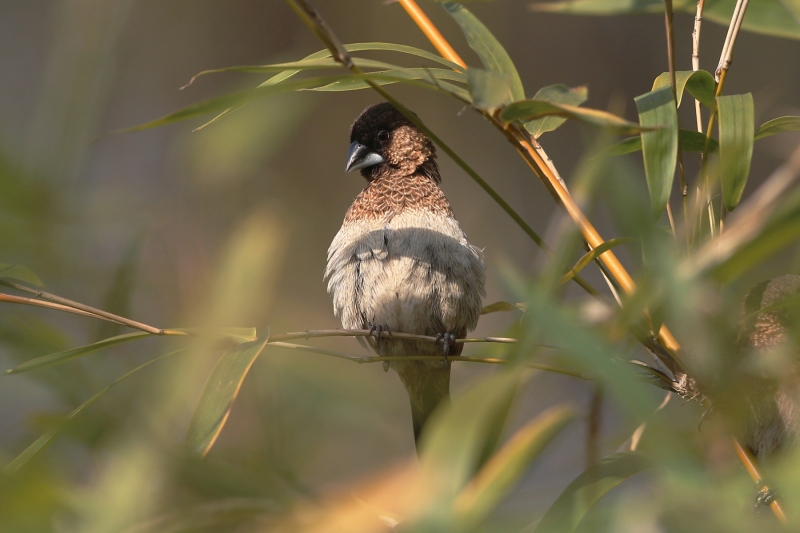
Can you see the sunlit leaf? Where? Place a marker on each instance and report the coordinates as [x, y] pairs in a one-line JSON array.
[[235, 335], [556, 94], [777, 125], [699, 83], [219, 393], [492, 54], [735, 145], [691, 141], [591, 256], [20, 273], [488, 89], [572, 505], [771, 17], [505, 467], [231, 100], [526, 110], [659, 146], [455, 439], [42, 442], [498, 307], [433, 75]]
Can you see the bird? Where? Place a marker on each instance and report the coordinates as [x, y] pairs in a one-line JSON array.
[[401, 262], [769, 408]]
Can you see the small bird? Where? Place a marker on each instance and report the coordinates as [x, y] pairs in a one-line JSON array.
[[400, 262], [770, 412]]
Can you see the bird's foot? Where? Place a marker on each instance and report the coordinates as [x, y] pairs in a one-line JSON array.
[[447, 340], [376, 330], [765, 495]]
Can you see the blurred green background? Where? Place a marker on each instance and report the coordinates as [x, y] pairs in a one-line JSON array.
[[230, 225]]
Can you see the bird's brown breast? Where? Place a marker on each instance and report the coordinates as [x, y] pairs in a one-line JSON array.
[[385, 197]]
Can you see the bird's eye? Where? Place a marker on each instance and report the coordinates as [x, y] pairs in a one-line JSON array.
[[383, 136]]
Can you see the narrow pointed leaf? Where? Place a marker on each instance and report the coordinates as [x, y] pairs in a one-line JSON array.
[[777, 125], [20, 273], [434, 76], [691, 141], [498, 307], [699, 83], [456, 437], [488, 89], [580, 496], [555, 94], [219, 393], [491, 53], [591, 256], [45, 440], [659, 146], [770, 17], [228, 101], [505, 467], [735, 145], [526, 110], [68, 355]]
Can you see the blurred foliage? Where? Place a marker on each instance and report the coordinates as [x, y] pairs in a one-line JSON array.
[[207, 427]]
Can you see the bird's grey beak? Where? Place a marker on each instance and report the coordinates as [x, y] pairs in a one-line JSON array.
[[359, 156]]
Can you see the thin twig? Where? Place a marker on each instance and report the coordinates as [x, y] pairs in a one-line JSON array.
[[319, 333], [431, 32], [361, 359], [98, 313], [698, 21]]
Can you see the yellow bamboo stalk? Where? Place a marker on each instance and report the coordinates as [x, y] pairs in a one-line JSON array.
[[431, 32]]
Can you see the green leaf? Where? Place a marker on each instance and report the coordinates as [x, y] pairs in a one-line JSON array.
[[660, 146], [498, 307], [237, 335], [432, 75], [68, 355], [591, 256], [699, 83], [456, 437], [491, 53], [691, 141], [735, 145], [228, 101], [572, 505], [505, 467], [777, 125], [20, 273], [488, 89], [42, 442], [555, 94], [219, 393], [526, 110], [770, 17]]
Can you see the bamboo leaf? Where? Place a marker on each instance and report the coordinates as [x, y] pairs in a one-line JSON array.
[[572, 505], [434, 76], [770, 17], [488, 89], [526, 110], [591, 256], [491, 53], [457, 438], [735, 145], [20, 273], [45, 440], [659, 146], [691, 141], [498, 307], [228, 101], [505, 467], [777, 125], [699, 83], [555, 94], [219, 394], [237, 335]]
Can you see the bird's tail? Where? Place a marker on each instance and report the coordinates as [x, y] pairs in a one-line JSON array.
[[428, 385]]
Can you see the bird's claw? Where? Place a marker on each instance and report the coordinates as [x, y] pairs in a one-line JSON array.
[[765, 495], [447, 340]]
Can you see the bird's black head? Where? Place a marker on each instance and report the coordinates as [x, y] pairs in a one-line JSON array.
[[384, 143]]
